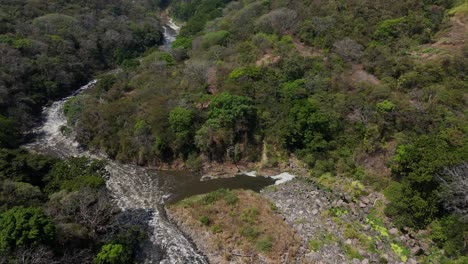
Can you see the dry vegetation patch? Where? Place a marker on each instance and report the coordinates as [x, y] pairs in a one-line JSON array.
[[236, 226]]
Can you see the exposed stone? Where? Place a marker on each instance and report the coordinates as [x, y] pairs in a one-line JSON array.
[[365, 261], [416, 250], [424, 246], [362, 205], [393, 231], [365, 200]]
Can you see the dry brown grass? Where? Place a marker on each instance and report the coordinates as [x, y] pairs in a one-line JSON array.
[[226, 239]]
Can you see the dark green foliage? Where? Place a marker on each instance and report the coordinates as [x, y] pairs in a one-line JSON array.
[[9, 134], [56, 48], [19, 193], [264, 244], [182, 42], [74, 174], [414, 201], [448, 233], [196, 13], [204, 220], [21, 226], [309, 127], [231, 118], [181, 122], [19, 165]]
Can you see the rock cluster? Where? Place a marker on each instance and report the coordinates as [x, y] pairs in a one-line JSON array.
[[321, 217]]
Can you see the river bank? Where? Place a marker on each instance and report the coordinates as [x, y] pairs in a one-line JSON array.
[[328, 226]]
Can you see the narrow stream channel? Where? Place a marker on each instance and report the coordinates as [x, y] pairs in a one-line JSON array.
[[135, 187]]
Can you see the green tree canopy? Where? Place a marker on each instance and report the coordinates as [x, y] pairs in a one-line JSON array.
[[112, 254], [24, 226]]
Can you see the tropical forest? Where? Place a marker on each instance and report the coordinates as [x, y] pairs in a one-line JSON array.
[[233, 131]]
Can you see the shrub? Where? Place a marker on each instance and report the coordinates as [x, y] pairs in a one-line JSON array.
[[231, 198], [249, 215], [249, 232], [448, 233], [385, 106], [390, 28], [215, 38], [248, 71], [212, 197], [182, 42], [112, 254], [205, 220], [265, 244], [22, 226]]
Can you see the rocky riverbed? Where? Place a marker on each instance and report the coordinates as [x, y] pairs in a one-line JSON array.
[[337, 228]]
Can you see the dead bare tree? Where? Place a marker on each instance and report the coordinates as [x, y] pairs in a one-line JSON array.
[[454, 193], [348, 49], [34, 255]]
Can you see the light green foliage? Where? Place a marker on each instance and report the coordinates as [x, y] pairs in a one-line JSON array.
[[338, 211], [215, 38], [390, 28], [229, 197], [377, 225], [295, 89], [400, 251], [112, 254], [248, 72], [22, 226], [180, 120], [15, 41], [182, 42], [385, 106]]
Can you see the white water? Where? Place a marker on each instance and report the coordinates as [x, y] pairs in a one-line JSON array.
[[131, 186], [171, 30]]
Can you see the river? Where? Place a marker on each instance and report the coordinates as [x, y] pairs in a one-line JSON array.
[[135, 187]]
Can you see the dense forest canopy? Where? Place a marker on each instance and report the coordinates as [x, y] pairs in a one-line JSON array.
[[49, 48]]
